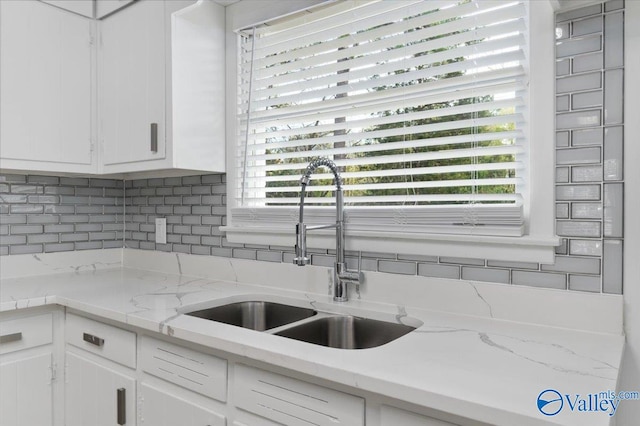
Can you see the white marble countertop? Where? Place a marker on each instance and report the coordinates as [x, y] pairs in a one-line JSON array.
[[483, 368]]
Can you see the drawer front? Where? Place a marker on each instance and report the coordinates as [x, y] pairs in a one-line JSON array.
[[26, 332], [294, 402], [159, 408], [201, 373], [101, 339]]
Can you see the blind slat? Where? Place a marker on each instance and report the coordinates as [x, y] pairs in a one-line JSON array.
[[392, 185], [461, 168]]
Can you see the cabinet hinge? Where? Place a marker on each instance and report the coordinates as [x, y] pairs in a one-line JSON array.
[[91, 40], [92, 146]]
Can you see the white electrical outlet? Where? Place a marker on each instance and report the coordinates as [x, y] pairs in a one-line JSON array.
[[161, 230]]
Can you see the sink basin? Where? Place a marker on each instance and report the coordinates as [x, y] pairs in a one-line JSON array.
[[347, 332], [256, 315]]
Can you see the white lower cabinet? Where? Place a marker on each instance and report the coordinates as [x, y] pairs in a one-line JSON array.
[[294, 402], [100, 383], [161, 408], [27, 371], [25, 384], [98, 395]]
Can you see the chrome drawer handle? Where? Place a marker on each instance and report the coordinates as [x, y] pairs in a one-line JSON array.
[[94, 340], [8, 338]]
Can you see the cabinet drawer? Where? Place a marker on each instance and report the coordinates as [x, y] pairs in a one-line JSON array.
[[105, 340], [160, 408], [294, 402], [24, 333], [201, 373]]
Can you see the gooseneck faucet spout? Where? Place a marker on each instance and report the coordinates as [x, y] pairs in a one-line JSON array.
[[342, 276]]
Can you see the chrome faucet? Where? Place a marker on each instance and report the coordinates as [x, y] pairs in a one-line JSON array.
[[341, 275]]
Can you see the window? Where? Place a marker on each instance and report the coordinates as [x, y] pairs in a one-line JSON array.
[[423, 105]]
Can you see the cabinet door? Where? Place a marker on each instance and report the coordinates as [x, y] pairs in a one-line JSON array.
[[26, 393], [92, 394], [131, 88], [159, 408], [45, 81], [105, 7]]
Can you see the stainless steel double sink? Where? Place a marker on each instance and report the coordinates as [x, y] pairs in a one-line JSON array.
[[307, 325]]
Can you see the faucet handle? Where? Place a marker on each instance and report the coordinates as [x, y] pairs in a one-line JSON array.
[[301, 260]]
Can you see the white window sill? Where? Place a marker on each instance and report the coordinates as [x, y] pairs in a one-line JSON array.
[[539, 249]]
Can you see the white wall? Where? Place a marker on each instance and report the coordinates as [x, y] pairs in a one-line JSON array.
[[629, 412]]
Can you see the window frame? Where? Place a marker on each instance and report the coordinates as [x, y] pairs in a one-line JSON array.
[[537, 245]]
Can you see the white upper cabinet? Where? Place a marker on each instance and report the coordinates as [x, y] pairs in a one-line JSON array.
[[105, 7], [161, 88], [46, 78], [131, 84]]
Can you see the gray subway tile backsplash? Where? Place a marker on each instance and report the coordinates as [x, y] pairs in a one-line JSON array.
[[586, 26], [579, 13], [579, 228], [47, 213], [586, 174], [613, 210], [613, 5], [614, 40], [577, 192], [586, 210], [578, 46], [439, 270], [585, 63], [613, 160], [586, 137], [579, 265], [612, 267], [472, 273], [580, 119], [580, 82], [585, 283], [539, 279], [586, 155], [613, 106]]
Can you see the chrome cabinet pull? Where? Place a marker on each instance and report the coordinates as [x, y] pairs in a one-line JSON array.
[[13, 337], [94, 340], [154, 137], [122, 406]]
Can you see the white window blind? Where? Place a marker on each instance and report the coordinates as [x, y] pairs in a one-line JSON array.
[[419, 103]]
